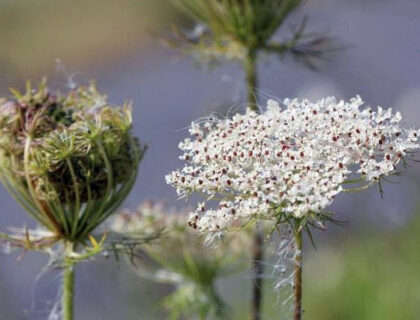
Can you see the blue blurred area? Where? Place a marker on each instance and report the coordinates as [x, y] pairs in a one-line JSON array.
[[381, 64]]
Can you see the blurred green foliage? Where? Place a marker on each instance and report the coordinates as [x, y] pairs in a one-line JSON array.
[[374, 275]]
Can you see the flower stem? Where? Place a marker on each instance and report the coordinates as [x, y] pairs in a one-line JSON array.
[[219, 307], [250, 66], [297, 281], [68, 289], [258, 269]]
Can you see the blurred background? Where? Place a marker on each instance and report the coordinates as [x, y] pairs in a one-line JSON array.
[[368, 269]]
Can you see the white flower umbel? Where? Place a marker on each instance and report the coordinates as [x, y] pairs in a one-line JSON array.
[[289, 161]]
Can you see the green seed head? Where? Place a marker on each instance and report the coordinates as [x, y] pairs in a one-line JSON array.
[[239, 29], [237, 26], [70, 160]]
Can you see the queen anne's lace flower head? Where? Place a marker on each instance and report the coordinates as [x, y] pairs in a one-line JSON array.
[[287, 163]]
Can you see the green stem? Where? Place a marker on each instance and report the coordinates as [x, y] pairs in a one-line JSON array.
[[49, 221], [250, 65], [108, 192], [68, 289], [217, 302], [75, 214], [297, 281], [258, 269]]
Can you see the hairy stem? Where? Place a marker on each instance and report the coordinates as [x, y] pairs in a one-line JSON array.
[[297, 281], [258, 269], [250, 66], [68, 289]]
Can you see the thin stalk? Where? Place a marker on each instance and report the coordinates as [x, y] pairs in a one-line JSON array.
[[51, 222], [297, 280], [67, 300], [109, 185], [258, 270], [217, 303], [76, 212], [250, 66], [19, 195]]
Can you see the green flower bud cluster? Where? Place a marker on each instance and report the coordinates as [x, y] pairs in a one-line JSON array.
[[232, 28], [69, 160]]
